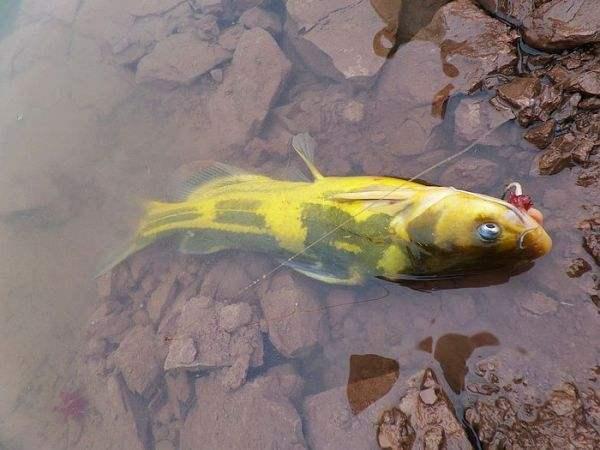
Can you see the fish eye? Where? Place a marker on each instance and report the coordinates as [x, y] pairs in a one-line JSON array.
[[488, 231]]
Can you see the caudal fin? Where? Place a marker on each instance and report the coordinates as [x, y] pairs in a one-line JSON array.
[[160, 220]]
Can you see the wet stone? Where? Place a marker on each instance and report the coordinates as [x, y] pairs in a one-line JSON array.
[[515, 11], [471, 174], [293, 315], [563, 24], [258, 17], [231, 317], [137, 360], [591, 239], [262, 415], [590, 103], [520, 92], [180, 59], [558, 154], [541, 135], [538, 304], [586, 83]]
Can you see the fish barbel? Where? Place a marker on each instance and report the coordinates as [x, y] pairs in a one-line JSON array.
[[343, 230]]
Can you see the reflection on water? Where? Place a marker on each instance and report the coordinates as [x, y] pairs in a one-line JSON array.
[[370, 378], [453, 351], [103, 102]]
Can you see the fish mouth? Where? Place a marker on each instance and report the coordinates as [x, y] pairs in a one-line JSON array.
[[535, 243]]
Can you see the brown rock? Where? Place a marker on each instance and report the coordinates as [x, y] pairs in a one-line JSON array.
[[335, 38], [591, 240], [558, 155], [561, 24], [581, 152], [263, 417], [137, 360], [258, 17], [541, 135], [586, 83], [520, 92], [561, 422], [108, 323], [180, 59], [293, 315]]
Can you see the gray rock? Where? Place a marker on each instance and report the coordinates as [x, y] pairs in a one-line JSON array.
[[335, 38], [562, 24], [255, 78], [293, 315], [538, 304], [258, 17], [180, 59]]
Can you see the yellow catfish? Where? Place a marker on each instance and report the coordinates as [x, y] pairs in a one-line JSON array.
[[343, 230]]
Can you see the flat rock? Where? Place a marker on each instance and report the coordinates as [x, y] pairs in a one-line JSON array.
[[255, 416], [538, 304], [293, 315], [137, 359], [231, 317], [180, 59], [471, 173], [563, 24], [335, 38], [257, 74]]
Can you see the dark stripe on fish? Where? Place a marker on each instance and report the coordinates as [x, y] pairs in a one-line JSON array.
[[238, 204], [240, 218], [231, 240], [168, 220]]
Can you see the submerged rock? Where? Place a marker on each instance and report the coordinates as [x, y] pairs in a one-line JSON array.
[[293, 315], [541, 135], [335, 38], [259, 415], [180, 59], [261, 18], [563, 24], [558, 155], [137, 360], [257, 74]]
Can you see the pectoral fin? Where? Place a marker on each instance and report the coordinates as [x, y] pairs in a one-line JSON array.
[[305, 146], [317, 271]]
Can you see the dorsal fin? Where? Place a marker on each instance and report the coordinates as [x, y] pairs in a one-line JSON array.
[[305, 146], [218, 173]]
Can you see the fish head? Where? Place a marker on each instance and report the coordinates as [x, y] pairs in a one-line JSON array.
[[464, 230]]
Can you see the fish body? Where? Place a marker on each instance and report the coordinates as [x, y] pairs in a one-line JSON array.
[[342, 229]]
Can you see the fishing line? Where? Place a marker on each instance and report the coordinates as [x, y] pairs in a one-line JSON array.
[[366, 208]]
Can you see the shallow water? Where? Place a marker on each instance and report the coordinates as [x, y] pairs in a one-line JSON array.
[[82, 143]]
